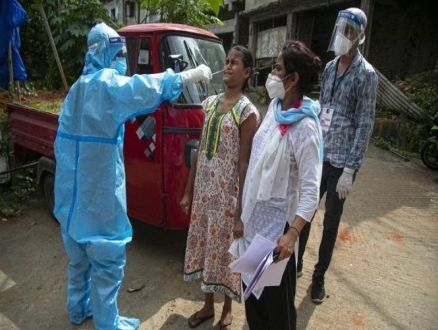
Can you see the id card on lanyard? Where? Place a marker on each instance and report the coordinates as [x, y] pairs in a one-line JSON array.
[[329, 109], [326, 117]]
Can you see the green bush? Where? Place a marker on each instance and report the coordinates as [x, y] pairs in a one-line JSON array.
[[422, 89]]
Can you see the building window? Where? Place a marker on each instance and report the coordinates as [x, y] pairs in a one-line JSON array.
[[129, 7], [272, 23]]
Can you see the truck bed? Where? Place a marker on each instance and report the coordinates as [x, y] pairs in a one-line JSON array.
[[32, 128]]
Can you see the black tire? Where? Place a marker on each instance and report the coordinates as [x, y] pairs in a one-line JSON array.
[[429, 155], [49, 193]]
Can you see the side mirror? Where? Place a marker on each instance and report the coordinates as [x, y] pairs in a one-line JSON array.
[[176, 63], [189, 151]]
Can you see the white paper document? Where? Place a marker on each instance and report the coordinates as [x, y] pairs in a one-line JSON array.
[[250, 260], [257, 262]]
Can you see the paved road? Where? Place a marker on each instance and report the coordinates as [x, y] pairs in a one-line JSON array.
[[383, 276]]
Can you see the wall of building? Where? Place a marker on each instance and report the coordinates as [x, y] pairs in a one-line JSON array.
[[404, 39], [125, 12], [401, 35], [255, 4], [324, 22]]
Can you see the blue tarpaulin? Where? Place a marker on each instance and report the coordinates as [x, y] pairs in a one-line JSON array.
[[12, 16]]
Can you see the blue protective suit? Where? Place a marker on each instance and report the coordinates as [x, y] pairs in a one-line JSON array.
[[12, 16], [90, 197]]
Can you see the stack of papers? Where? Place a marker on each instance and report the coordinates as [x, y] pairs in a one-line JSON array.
[[258, 262]]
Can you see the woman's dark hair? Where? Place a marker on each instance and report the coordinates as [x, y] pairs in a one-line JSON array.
[[247, 60], [298, 58]]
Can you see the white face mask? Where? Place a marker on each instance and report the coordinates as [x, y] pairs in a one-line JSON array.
[[274, 86], [342, 45]]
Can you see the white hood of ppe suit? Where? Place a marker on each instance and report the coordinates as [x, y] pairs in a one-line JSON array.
[[103, 46]]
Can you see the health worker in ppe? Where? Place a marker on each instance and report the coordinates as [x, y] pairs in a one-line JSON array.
[[90, 197], [348, 100]]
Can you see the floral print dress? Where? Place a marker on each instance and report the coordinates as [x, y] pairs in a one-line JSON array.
[[215, 197]]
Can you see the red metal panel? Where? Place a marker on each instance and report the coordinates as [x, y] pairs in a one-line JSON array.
[[143, 166], [138, 29], [33, 129], [181, 125]]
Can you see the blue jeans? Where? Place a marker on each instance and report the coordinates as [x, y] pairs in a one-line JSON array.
[[334, 207]]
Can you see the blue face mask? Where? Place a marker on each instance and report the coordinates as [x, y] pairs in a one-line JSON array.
[[119, 64]]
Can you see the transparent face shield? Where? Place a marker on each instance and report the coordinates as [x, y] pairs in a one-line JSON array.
[[118, 61], [348, 31], [121, 53]]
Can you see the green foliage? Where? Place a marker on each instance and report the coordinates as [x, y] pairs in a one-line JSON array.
[[422, 89], [4, 132], [416, 136], [381, 143], [190, 12], [216, 5], [386, 145], [33, 44], [13, 199], [70, 22], [53, 107], [416, 132]]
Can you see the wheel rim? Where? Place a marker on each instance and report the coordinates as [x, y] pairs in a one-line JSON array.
[[49, 192], [430, 156]]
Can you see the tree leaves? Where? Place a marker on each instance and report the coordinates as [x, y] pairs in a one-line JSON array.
[[70, 22], [191, 12]]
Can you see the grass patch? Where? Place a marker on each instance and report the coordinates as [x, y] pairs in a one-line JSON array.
[[53, 107], [386, 145]]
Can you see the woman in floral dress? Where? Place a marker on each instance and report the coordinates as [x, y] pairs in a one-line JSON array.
[[216, 180]]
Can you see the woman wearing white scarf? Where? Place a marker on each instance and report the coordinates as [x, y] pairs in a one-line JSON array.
[[281, 190]]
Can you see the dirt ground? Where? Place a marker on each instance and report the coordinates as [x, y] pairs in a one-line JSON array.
[[383, 274]]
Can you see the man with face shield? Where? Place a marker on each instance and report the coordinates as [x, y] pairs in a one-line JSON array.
[[348, 101], [90, 196], [349, 32]]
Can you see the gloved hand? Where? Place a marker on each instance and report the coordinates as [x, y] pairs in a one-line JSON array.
[[345, 183], [200, 73]]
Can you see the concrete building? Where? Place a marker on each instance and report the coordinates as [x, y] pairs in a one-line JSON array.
[[127, 12], [401, 37]]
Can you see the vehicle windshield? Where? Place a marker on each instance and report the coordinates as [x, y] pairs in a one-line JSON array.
[[182, 53]]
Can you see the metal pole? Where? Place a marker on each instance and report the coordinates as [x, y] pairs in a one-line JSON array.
[[19, 168]]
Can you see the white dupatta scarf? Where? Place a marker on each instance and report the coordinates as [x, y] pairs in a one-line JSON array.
[[273, 166]]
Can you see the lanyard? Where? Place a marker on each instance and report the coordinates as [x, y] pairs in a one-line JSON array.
[[334, 85]]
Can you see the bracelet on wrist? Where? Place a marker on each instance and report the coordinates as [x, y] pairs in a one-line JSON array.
[[297, 231]]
